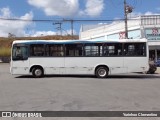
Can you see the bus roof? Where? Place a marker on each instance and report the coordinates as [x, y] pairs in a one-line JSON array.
[[77, 41]]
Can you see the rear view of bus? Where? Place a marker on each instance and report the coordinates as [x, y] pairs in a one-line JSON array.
[[79, 57]]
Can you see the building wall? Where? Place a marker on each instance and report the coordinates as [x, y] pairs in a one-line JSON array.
[[141, 27], [132, 34], [108, 29]]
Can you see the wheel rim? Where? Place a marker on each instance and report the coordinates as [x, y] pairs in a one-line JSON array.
[[38, 72], [102, 72]]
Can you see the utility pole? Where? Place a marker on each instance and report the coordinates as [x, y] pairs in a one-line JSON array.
[[72, 28], [125, 17], [60, 27], [127, 9], [70, 20]]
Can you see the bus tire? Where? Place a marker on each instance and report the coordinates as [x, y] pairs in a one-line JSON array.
[[101, 72], [37, 72]]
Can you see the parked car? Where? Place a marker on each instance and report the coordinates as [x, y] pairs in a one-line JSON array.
[[152, 67], [157, 63]]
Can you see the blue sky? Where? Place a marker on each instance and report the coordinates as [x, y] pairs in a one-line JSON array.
[[65, 9]]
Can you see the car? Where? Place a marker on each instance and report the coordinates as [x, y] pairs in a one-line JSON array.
[[152, 67], [157, 63]]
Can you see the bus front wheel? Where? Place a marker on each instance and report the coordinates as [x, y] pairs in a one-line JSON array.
[[37, 72], [101, 72]]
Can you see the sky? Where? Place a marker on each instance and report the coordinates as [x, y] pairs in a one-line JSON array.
[[65, 10]]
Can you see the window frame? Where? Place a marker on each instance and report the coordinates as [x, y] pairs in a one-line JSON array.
[[115, 49], [137, 50], [99, 51], [54, 50], [31, 55], [74, 50]]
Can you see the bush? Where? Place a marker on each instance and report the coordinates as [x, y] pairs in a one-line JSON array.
[[5, 52]]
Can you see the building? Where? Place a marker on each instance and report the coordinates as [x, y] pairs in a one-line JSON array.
[[140, 27]]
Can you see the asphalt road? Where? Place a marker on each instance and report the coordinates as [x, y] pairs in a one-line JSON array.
[[131, 92]]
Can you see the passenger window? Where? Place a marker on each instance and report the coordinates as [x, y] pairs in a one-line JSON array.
[[134, 49], [93, 49], [74, 50], [37, 50], [55, 50], [112, 49]]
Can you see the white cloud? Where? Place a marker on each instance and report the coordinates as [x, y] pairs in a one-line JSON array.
[[42, 33], [69, 8], [5, 12], [150, 13], [47, 33], [93, 8], [14, 27], [136, 14], [57, 7]]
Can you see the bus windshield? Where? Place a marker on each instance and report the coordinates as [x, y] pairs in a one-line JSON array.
[[20, 53]]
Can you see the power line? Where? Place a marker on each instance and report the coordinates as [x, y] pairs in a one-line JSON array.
[[64, 20], [27, 20]]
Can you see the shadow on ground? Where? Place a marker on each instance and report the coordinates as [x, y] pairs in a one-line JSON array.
[[138, 76]]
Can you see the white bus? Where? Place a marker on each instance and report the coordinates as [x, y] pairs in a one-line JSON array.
[[74, 57]]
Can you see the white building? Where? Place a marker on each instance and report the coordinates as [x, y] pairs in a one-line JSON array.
[[140, 27]]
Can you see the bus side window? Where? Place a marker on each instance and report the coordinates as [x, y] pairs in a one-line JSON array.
[[73, 50], [134, 49], [56, 50], [112, 49], [37, 50], [91, 49], [129, 49]]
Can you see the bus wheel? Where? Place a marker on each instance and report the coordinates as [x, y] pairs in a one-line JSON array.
[[101, 72], [37, 72]]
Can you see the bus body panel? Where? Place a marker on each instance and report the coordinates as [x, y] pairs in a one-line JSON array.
[[20, 67], [50, 65], [135, 64], [79, 64]]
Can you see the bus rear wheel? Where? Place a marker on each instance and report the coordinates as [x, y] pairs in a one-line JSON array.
[[101, 72], [37, 72]]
